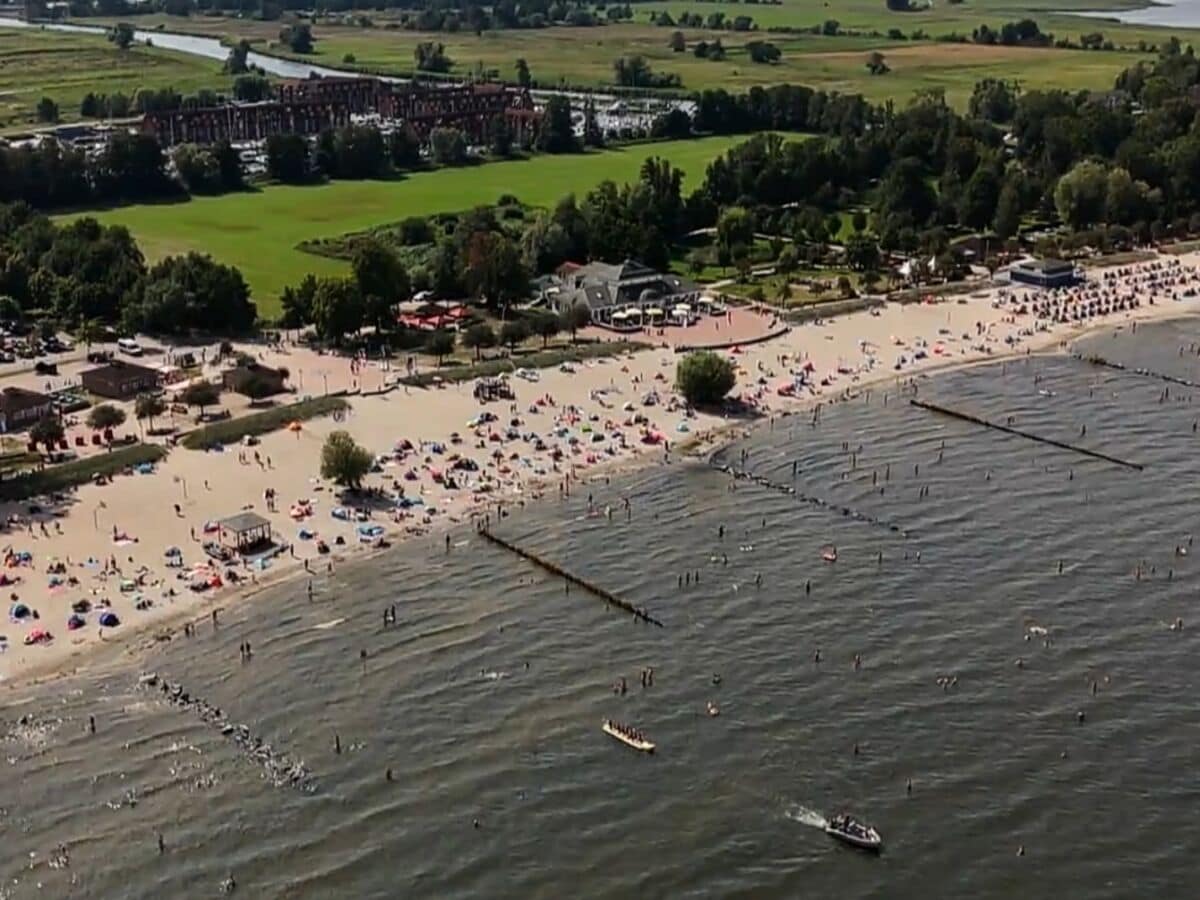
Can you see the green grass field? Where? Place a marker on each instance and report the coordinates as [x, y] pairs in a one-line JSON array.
[[258, 231], [584, 56], [64, 67]]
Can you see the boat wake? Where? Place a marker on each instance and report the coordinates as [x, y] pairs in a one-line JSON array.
[[806, 816]]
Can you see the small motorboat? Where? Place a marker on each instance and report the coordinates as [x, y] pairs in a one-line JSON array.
[[829, 554], [854, 833], [627, 735]]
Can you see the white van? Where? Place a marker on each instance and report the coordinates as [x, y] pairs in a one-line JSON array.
[[129, 346]]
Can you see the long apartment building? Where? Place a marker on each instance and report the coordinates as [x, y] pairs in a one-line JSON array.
[[312, 105]]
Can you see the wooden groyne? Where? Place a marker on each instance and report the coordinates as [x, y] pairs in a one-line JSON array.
[[1008, 429], [811, 500], [1145, 373], [555, 569]]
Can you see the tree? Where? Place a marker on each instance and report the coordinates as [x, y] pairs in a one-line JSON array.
[[297, 303], [431, 57], [1080, 195], [343, 461], [121, 35], [677, 42], [977, 206], [381, 278], [546, 326], [47, 431], [704, 378], [251, 88], [524, 78], [236, 63], [200, 394], [735, 227], [440, 343], [787, 260], [862, 252], [287, 158], [994, 100], [448, 146], [500, 136], [89, 332], [494, 269], [147, 406], [513, 332], [47, 110], [478, 337], [297, 38], [877, 63], [763, 52], [556, 134], [576, 317], [105, 416], [1008, 210], [337, 308], [192, 292]]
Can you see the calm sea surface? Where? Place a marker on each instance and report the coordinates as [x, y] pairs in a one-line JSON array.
[[486, 699]]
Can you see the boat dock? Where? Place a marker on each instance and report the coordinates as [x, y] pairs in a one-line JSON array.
[[555, 569], [792, 491], [1008, 429]]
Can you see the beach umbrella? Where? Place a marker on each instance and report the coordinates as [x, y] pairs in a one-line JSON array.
[[109, 620], [294, 425], [18, 611]]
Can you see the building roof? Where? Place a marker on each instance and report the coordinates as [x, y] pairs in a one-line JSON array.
[[1046, 266], [16, 399], [243, 522], [599, 284], [119, 370]]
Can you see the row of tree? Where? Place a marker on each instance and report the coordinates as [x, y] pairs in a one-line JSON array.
[[84, 272]]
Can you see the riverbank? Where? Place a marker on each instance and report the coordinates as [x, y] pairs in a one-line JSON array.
[[108, 544]]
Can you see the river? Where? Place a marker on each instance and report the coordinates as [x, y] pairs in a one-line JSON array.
[[485, 700], [1164, 13]]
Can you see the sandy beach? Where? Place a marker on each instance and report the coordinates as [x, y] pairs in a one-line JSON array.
[[106, 547]]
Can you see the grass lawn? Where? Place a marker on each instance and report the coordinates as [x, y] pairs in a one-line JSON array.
[[800, 285], [64, 67], [258, 231], [584, 56]]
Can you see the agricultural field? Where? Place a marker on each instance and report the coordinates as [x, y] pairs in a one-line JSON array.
[[585, 56], [258, 231], [940, 18], [65, 67]]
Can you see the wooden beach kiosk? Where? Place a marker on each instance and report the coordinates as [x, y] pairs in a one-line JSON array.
[[246, 532]]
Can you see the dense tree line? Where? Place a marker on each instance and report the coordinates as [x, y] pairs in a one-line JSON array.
[[86, 272], [144, 100], [130, 167]]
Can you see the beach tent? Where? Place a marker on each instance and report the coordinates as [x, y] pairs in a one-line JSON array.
[[75, 622], [109, 620]]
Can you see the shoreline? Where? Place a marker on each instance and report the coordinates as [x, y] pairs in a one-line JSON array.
[[708, 434]]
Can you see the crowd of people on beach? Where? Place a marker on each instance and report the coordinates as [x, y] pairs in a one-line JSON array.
[[1117, 290]]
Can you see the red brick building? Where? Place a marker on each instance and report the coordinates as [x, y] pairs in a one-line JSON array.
[[312, 105]]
